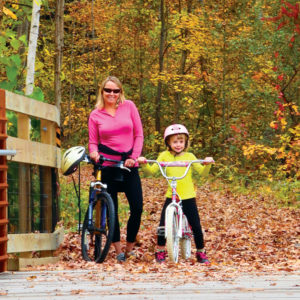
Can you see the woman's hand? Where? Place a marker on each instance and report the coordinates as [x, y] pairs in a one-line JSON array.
[[208, 160], [129, 163], [95, 156], [142, 160]]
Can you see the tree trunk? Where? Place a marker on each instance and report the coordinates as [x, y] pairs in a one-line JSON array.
[[178, 94], [59, 39], [33, 36], [161, 65], [181, 69]]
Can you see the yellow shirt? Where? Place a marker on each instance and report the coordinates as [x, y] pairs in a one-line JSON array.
[[185, 186]]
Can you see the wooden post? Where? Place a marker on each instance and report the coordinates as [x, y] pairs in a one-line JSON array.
[[24, 178], [48, 136]]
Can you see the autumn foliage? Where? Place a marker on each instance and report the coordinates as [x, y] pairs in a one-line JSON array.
[[228, 70], [286, 115]]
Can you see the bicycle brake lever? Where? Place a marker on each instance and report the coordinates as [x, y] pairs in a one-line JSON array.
[[125, 168], [87, 159]]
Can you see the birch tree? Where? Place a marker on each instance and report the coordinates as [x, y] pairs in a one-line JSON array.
[[33, 37]]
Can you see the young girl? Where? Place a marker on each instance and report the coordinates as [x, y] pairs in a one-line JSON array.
[[176, 138]]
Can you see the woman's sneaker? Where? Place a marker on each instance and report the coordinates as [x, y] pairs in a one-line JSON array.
[[160, 256], [121, 257], [202, 258]]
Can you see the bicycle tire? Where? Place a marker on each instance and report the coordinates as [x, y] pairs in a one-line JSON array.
[[172, 234], [96, 239]]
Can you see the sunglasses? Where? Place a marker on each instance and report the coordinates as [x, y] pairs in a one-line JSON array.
[[117, 91]]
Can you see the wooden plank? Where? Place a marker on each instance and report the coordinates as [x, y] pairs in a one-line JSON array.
[[25, 262], [25, 242], [48, 136], [26, 254], [23, 127], [47, 198], [34, 108], [48, 132], [47, 253], [23, 197], [13, 264], [17, 264], [24, 178], [34, 152]]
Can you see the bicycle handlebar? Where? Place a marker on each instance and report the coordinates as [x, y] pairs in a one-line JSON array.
[[102, 159], [165, 164]]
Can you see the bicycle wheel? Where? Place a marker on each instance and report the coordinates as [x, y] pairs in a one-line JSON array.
[[172, 233], [96, 237]]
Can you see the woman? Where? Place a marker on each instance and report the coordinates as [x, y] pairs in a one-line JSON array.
[[115, 130]]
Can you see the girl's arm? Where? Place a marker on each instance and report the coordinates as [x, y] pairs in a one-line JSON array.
[[150, 170], [204, 168]]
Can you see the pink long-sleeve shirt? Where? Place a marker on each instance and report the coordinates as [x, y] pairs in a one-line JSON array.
[[121, 132]]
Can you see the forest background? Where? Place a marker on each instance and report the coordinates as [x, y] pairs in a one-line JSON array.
[[227, 70]]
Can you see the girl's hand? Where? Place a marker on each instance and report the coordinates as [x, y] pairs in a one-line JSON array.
[[142, 160], [129, 163], [208, 160], [95, 156]]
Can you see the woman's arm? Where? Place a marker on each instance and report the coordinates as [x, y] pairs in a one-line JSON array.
[[93, 134], [138, 136]]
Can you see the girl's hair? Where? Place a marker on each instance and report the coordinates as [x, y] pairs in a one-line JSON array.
[[179, 135], [115, 80]]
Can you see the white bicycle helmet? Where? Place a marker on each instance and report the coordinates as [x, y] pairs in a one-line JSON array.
[[71, 159], [175, 129]]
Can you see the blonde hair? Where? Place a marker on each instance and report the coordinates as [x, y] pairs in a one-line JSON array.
[[115, 80]]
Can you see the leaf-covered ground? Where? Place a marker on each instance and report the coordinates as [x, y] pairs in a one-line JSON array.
[[242, 235]]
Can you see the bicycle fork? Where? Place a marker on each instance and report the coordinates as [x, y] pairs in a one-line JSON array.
[[100, 213], [177, 205], [178, 216], [92, 195]]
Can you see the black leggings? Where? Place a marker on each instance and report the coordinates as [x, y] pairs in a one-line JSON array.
[[131, 185], [190, 209]]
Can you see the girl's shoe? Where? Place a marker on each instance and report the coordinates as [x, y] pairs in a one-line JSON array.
[[202, 258], [121, 257], [160, 256]]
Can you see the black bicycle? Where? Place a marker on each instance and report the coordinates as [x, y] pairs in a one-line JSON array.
[[99, 222]]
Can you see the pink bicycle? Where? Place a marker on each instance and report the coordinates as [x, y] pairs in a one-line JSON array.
[[177, 230]]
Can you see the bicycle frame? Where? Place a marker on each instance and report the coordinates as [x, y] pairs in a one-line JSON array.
[[172, 180], [97, 186]]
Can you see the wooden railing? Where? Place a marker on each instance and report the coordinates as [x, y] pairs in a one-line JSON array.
[[45, 153]]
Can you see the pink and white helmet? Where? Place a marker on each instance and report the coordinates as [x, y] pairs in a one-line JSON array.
[[175, 129]]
